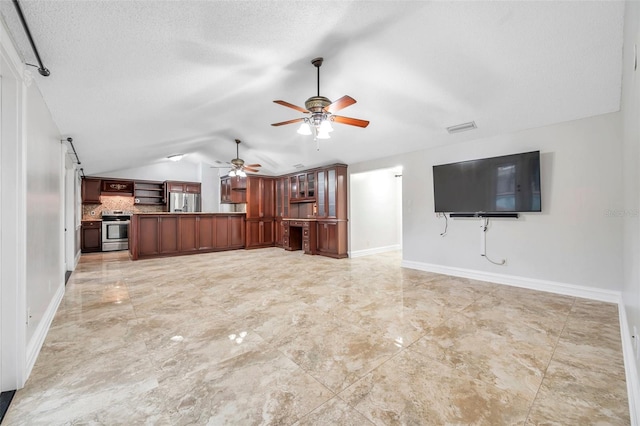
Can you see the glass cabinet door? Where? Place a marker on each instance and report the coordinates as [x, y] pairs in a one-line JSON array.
[[279, 185], [311, 185], [331, 192], [293, 182], [321, 195], [302, 191], [285, 192]]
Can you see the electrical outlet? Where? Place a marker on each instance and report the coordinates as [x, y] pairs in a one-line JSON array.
[[28, 316], [636, 343]]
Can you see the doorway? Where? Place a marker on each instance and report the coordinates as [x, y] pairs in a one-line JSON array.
[[375, 211]]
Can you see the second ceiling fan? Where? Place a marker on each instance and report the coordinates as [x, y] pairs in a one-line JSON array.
[[238, 168], [321, 112]]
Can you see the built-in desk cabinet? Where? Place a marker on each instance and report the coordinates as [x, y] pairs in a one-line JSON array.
[[300, 235]]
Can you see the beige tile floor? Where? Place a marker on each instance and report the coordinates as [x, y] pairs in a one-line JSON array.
[[274, 337]]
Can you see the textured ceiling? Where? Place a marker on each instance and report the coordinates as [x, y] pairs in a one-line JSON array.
[[135, 81]]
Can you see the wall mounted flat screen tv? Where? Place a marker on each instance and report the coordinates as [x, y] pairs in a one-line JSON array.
[[506, 184]]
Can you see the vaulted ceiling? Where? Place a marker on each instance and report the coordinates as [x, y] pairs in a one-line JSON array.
[[135, 81]]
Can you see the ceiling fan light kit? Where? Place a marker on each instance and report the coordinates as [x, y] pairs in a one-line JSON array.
[[238, 168], [321, 113]]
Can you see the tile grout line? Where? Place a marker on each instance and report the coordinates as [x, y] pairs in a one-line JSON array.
[[544, 374]]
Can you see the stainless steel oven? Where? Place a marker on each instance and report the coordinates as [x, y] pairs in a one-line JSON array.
[[115, 230]]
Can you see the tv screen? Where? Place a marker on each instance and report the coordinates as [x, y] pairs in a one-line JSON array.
[[507, 184]]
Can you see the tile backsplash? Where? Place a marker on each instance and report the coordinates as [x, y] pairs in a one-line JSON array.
[[115, 202]]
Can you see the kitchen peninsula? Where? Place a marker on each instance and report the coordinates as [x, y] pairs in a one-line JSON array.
[[172, 234]]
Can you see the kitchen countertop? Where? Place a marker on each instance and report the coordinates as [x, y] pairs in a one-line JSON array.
[[308, 219], [191, 213]]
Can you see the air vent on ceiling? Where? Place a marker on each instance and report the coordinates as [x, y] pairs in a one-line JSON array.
[[299, 166], [462, 127]]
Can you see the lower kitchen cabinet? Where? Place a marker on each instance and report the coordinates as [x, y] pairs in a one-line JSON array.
[[166, 234], [91, 236], [260, 233], [332, 238]]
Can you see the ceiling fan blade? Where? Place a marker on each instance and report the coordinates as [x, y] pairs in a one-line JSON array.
[[350, 121], [250, 169], [339, 104], [287, 104], [282, 123], [253, 165]]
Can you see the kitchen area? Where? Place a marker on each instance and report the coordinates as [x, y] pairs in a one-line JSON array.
[[305, 211], [109, 204]]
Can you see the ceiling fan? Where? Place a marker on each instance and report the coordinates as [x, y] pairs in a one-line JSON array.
[[321, 112], [238, 168]]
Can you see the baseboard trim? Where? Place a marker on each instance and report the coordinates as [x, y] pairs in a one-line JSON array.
[[630, 366], [36, 342], [367, 252], [523, 282]]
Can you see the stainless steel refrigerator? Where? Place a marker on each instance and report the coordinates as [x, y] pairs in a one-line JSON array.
[[181, 203]]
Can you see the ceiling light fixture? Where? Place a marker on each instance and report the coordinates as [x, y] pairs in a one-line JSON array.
[[462, 127], [175, 157], [321, 112]]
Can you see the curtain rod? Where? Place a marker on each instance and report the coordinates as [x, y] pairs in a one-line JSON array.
[[41, 69], [70, 140]]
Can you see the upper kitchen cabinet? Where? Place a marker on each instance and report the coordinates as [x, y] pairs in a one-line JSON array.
[[303, 187], [282, 197], [117, 187], [332, 192], [184, 187], [91, 191], [233, 190]]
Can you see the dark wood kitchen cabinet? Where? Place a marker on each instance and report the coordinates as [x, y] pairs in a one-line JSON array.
[[303, 187], [91, 236], [170, 234], [260, 218], [184, 187], [233, 190], [282, 208], [332, 211], [117, 187], [91, 191]]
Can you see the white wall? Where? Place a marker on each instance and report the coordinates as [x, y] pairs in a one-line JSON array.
[[45, 257], [631, 182], [573, 241], [32, 258], [375, 211], [12, 220]]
